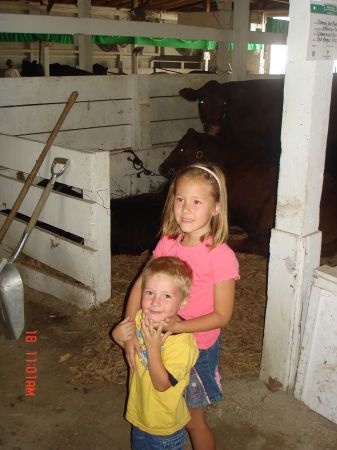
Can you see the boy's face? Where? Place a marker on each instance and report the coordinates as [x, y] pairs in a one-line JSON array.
[[161, 298]]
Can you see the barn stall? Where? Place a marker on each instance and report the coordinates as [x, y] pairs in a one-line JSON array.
[[109, 118], [301, 288]]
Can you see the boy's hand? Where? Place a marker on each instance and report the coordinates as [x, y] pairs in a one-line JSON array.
[[125, 330], [152, 337], [167, 325]]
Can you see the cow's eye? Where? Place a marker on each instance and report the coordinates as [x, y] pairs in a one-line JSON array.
[[201, 102], [181, 149]]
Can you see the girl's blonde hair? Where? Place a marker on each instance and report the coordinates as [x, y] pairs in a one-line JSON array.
[[180, 272], [217, 187]]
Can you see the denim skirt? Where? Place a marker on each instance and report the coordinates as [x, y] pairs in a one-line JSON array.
[[204, 387]]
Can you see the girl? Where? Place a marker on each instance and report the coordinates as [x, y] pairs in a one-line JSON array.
[[195, 229]]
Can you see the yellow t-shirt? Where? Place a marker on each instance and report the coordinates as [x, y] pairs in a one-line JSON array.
[[162, 413]]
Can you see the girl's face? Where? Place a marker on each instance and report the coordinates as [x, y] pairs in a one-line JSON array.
[[194, 207]]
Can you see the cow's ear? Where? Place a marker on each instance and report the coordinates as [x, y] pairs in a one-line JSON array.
[[189, 94]]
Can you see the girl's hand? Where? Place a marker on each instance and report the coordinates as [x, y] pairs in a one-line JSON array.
[[130, 347], [125, 330], [152, 337], [167, 325]]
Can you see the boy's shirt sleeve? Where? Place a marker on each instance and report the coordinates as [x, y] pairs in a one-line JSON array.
[[179, 356]]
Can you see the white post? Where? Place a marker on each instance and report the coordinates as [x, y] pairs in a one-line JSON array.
[[45, 58], [240, 40], [225, 16], [295, 241], [85, 42], [141, 119]]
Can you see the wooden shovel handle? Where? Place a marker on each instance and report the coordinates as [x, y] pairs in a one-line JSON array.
[[37, 166], [39, 208]]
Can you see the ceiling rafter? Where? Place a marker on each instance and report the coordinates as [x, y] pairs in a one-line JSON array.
[[163, 5]]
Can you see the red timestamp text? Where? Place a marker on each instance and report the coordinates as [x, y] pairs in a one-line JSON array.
[[31, 370]]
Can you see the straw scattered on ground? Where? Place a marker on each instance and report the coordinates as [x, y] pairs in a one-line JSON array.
[[102, 360]]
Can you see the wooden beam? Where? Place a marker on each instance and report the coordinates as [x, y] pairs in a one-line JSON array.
[[21, 23]]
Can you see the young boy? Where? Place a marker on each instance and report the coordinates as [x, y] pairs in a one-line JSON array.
[[156, 407]]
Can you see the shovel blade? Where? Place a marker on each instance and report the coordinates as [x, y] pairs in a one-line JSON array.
[[12, 319]]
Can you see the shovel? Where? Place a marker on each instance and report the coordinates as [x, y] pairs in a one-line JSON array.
[[12, 320], [37, 165]]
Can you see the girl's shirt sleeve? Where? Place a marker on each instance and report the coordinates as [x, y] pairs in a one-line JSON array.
[[224, 264]]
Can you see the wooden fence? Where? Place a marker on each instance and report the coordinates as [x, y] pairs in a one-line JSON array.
[[77, 273], [112, 115]]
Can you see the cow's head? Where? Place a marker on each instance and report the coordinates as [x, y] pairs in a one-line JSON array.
[[189, 150], [212, 104]]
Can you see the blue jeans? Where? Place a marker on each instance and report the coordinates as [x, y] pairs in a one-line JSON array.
[[145, 441]]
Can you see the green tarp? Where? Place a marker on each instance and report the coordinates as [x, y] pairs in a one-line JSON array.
[[277, 26], [160, 42], [69, 39], [249, 46]]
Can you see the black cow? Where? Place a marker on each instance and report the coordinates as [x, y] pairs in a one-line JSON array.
[[32, 69], [252, 190], [249, 114], [63, 70]]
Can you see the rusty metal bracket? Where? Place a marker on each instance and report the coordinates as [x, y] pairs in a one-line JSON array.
[[139, 166]]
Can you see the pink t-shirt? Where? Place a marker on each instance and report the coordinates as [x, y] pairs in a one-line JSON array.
[[209, 267]]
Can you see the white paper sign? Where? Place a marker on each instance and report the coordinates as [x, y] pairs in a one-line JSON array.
[[323, 30]]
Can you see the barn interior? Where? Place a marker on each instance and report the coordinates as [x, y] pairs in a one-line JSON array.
[[123, 128], [117, 54]]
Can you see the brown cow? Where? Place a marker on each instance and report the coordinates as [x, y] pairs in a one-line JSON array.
[[249, 114], [252, 191]]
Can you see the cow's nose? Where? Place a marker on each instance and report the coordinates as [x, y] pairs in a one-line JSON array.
[[165, 170]]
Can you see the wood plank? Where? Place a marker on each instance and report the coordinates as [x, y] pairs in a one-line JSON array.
[[63, 255], [78, 295], [20, 23], [105, 138], [58, 211], [169, 85], [32, 119], [173, 131], [172, 108], [44, 90], [21, 154]]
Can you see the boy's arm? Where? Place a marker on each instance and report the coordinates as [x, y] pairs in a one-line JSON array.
[[153, 341]]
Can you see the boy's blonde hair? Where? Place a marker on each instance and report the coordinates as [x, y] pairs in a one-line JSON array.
[[173, 267], [219, 222]]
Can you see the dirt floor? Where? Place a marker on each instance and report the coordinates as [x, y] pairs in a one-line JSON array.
[[80, 388]]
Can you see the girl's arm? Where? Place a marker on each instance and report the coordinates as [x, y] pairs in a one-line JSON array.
[[133, 305], [223, 307], [124, 331]]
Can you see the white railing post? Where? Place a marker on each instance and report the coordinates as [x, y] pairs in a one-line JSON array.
[[141, 119]]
